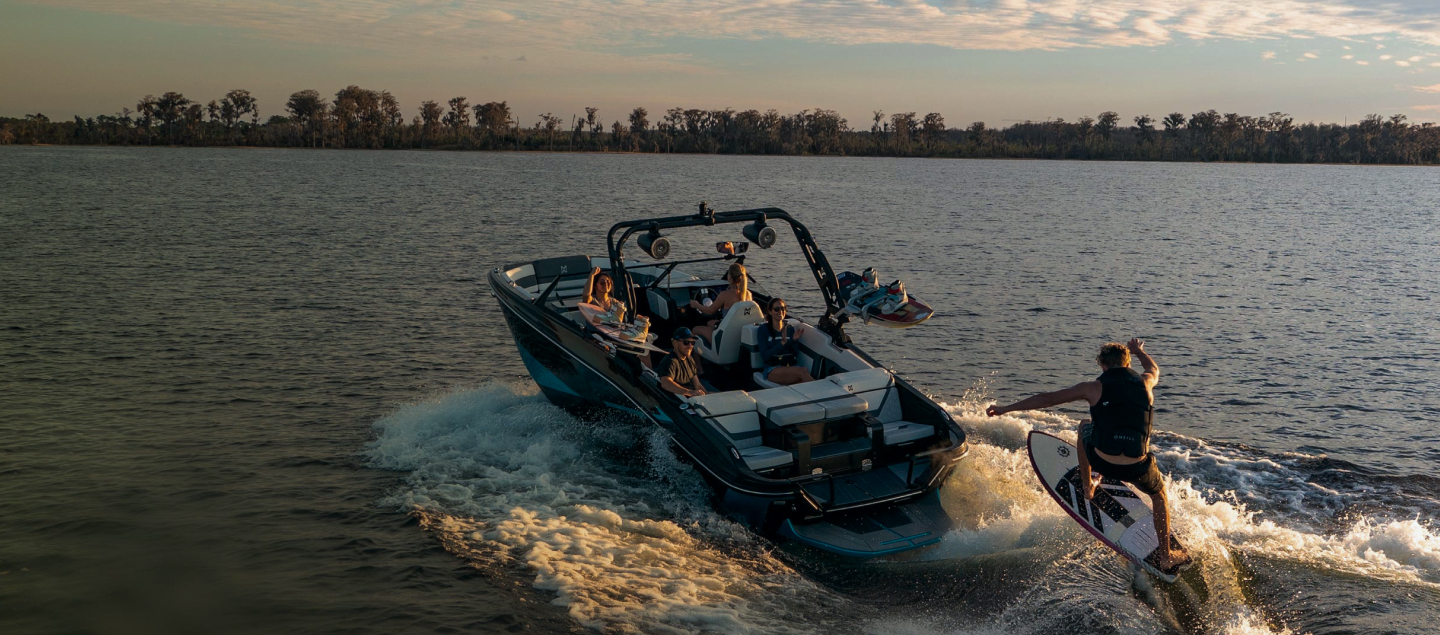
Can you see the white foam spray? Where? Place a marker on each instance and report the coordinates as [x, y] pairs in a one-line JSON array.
[[501, 475], [604, 517]]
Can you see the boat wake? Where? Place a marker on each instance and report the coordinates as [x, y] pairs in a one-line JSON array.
[[600, 519]]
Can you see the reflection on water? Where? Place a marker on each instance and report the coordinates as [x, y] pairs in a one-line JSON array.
[[261, 391]]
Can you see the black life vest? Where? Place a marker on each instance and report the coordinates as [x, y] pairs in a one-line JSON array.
[[1124, 415]]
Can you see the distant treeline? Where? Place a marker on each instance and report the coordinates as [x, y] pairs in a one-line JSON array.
[[361, 118]]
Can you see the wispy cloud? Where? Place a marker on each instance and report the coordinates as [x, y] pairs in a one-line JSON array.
[[1362, 62], [632, 27], [1401, 63], [1386, 58], [1267, 55], [1426, 107], [1312, 56], [1433, 88], [1347, 57]]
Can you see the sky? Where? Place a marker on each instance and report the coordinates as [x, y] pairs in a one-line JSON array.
[[997, 61]]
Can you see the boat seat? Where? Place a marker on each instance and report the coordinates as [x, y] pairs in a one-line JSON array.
[[877, 387], [724, 347], [762, 382], [807, 402], [733, 413]]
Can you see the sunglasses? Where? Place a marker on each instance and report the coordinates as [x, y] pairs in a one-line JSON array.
[[780, 307], [686, 342]]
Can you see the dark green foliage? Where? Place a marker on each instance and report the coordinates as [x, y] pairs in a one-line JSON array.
[[362, 118]]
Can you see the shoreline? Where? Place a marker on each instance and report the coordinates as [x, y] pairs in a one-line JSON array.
[[715, 154]]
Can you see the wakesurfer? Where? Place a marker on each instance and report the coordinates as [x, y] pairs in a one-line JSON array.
[[1115, 441]]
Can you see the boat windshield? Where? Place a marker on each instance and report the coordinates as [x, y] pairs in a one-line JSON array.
[[704, 273]]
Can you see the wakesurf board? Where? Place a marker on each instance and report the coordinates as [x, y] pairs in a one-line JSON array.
[[889, 305], [1118, 514]]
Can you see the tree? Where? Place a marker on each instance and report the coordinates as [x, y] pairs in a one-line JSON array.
[[550, 124], [902, 126], [1085, 126], [233, 107], [590, 120], [932, 127], [1144, 125], [430, 114], [639, 124], [1202, 127], [458, 119], [1105, 124], [493, 118], [308, 110], [170, 107]]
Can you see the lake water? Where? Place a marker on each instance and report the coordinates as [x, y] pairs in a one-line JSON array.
[[259, 391]]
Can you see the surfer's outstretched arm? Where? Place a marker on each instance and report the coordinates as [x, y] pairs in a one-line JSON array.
[[1083, 391]]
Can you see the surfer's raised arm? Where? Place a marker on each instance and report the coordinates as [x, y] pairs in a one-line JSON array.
[[1152, 370], [1086, 391]]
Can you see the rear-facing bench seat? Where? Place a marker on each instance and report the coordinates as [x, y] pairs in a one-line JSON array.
[[807, 402], [877, 387], [733, 413]]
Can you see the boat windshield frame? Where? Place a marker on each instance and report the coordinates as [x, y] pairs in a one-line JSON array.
[[834, 318]]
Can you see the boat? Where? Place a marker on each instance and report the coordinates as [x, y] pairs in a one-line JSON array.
[[850, 463]]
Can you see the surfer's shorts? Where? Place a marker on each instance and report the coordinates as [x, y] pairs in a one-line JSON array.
[[1143, 475]]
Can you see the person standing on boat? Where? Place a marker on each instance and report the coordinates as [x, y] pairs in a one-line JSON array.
[[679, 371], [1115, 442], [597, 304], [779, 349], [738, 291]]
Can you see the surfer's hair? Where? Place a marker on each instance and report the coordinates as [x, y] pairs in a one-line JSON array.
[[1114, 355]]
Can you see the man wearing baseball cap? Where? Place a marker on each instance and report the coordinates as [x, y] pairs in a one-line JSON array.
[[680, 371]]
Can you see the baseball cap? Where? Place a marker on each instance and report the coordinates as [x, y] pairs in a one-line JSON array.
[[682, 333]]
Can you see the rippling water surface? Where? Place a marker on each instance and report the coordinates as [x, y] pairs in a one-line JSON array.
[[266, 391]]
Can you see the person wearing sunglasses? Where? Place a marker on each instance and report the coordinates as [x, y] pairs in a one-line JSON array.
[[679, 371], [779, 349]]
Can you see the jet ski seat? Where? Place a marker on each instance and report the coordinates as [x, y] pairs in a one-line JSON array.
[[724, 347], [733, 413], [877, 387]]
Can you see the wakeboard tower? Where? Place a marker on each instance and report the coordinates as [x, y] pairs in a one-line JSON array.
[[1117, 513], [885, 305]]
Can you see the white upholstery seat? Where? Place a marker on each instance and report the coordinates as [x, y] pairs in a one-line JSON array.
[[764, 457], [787, 407], [724, 344], [658, 306], [750, 341], [877, 386], [733, 413], [897, 432], [807, 402], [762, 382]]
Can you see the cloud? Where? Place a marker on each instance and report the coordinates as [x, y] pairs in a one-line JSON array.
[[1386, 57], [1362, 63], [1347, 57], [1311, 55], [1401, 63], [1433, 88], [1346, 48], [1267, 55], [635, 28], [1426, 107], [1416, 58]]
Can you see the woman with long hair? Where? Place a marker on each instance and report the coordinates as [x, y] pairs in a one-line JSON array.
[[738, 291], [597, 304]]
